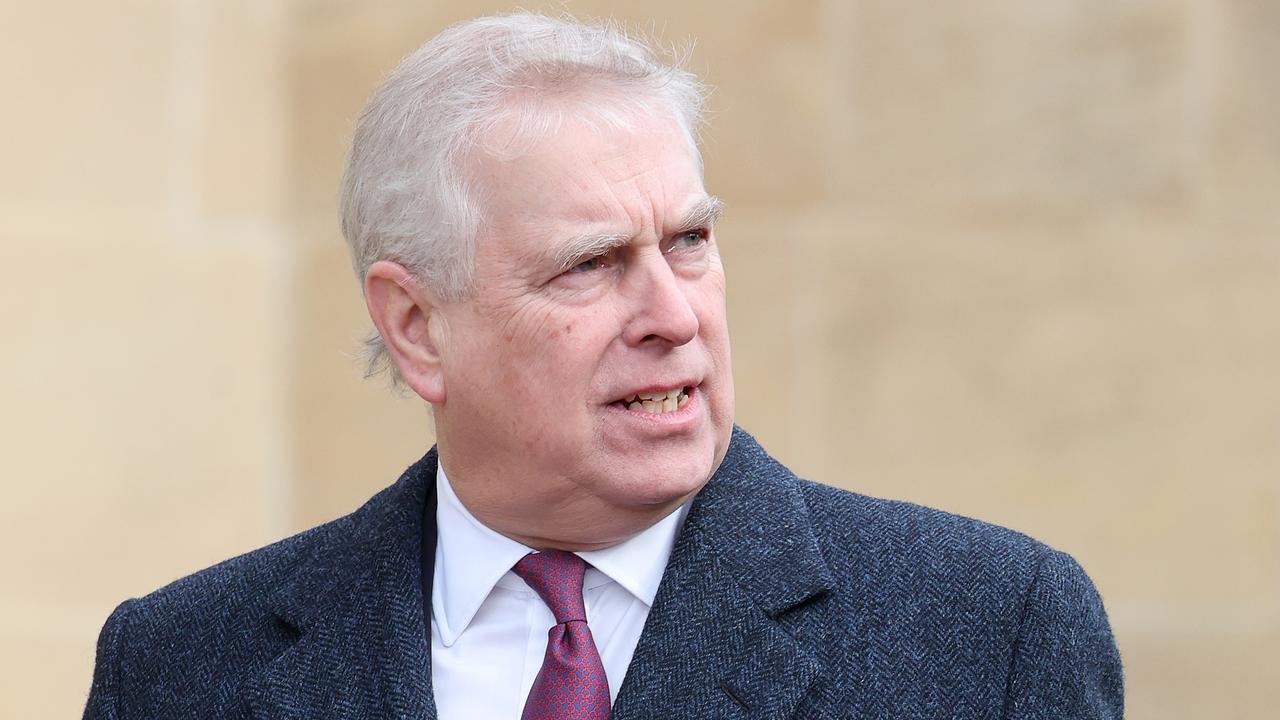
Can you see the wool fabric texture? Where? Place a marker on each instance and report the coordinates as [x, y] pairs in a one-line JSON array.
[[782, 598], [571, 684]]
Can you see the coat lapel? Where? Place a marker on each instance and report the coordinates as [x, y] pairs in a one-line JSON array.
[[357, 607], [745, 579]]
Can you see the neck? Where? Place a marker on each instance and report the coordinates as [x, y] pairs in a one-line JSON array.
[[578, 524], [565, 520]]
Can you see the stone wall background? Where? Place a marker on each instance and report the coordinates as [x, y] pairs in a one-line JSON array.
[[1016, 260]]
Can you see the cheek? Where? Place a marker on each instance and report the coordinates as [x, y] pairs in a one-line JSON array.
[[518, 325], [708, 299], [522, 333], [552, 350]]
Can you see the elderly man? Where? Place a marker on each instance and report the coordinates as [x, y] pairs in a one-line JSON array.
[[591, 537]]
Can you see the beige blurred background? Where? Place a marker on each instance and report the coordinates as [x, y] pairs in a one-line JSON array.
[[1018, 260]]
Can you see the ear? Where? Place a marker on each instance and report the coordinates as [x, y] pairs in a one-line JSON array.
[[412, 327]]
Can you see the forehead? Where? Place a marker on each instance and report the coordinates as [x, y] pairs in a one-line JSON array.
[[586, 176]]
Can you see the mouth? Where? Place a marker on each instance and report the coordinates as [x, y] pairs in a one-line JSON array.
[[657, 402]]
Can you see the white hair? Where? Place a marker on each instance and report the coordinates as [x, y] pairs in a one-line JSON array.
[[405, 194]]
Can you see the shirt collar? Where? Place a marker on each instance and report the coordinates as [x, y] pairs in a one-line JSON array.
[[637, 564], [472, 558]]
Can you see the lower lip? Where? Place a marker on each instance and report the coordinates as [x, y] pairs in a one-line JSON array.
[[672, 420]]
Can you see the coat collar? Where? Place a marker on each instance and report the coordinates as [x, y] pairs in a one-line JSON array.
[[356, 604], [745, 573], [745, 566]]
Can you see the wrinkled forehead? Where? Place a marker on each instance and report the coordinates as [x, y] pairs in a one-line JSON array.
[[582, 179]]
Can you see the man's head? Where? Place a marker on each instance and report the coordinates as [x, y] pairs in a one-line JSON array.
[[525, 205]]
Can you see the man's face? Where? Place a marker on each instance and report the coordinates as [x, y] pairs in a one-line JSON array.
[[544, 365]]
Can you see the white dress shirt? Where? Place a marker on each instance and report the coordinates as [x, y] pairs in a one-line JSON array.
[[489, 629]]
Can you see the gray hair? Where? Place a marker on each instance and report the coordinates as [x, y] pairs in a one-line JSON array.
[[405, 195]]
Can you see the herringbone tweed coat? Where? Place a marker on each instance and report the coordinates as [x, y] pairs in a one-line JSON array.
[[782, 599]]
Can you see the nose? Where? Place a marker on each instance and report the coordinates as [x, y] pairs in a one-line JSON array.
[[660, 309]]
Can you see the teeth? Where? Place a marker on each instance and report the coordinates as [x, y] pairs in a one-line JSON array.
[[659, 397], [658, 403]]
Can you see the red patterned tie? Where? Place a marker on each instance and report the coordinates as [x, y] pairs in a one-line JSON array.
[[571, 684]]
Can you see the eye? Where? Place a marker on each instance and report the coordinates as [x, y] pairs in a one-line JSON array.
[[591, 264], [689, 239]]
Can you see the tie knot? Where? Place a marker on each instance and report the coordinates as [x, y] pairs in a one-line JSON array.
[[557, 578]]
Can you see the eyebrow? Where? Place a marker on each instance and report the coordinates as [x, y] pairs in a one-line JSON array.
[[703, 213]]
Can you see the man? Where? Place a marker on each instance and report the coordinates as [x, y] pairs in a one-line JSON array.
[[591, 536]]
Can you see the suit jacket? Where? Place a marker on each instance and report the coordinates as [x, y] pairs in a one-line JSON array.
[[782, 599]]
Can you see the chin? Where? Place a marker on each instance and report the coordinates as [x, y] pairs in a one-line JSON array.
[[672, 481]]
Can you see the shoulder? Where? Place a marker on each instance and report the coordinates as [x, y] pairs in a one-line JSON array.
[[233, 585], [226, 590], [891, 537], [929, 608], [197, 639], [908, 570], [969, 604], [312, 562], [869, 536], [942, 579]]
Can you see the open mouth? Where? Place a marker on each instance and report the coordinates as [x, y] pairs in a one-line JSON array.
[[657, 403]]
